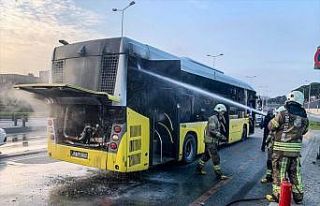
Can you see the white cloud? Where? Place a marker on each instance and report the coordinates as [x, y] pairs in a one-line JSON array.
[[30, 29]]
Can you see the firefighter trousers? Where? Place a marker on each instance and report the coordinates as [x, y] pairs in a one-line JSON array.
[[264, 139], [211, 152], [284, 166], [269, 163]]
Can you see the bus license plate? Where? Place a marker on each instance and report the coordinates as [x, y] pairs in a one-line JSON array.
[[78, 154]]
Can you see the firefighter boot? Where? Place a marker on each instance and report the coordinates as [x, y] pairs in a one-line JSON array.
[[272, 198], [297, 197], [266, 179], [200, 168], [219, 174]]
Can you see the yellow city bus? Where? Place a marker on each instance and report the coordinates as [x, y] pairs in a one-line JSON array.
[[106, 113]]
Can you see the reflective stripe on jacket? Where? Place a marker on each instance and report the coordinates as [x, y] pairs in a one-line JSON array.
[[287, 146]]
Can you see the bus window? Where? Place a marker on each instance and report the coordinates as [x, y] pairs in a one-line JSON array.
[[185, 108], [233, 113]]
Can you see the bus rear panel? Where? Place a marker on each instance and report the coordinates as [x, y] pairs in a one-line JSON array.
[[106, 137]]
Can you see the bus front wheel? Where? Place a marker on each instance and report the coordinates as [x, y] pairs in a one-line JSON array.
[[189, 148]]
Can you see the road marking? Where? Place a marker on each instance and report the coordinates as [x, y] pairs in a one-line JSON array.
[[205, 196]]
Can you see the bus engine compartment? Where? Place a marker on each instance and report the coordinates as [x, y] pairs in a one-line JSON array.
[[88, 126]]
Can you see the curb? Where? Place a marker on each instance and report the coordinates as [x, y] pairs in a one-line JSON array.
[[6, 156]]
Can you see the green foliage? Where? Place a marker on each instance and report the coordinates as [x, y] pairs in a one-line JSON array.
[[8, 115], [314, 125], [277, 100]]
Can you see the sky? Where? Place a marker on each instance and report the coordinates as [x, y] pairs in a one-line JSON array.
[[269, 44]]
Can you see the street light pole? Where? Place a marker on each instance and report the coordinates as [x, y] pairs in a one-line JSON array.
[[122, 14], [122, 17], [214, 58]]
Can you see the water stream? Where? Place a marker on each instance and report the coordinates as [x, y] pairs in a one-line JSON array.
[[200, 91]]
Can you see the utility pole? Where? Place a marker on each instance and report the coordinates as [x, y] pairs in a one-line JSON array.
[[122, 14], [214, 58]]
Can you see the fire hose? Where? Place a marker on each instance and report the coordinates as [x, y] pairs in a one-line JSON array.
[[245, 200]]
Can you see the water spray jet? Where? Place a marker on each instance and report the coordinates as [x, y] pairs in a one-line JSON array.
[[199, 90]]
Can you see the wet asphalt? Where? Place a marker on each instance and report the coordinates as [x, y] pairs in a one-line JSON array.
[[36, 179]]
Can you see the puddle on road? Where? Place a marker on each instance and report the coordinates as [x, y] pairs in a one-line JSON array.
[[94, 188], [98, 183]]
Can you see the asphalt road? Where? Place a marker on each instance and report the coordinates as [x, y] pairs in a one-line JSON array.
[[35, 179]]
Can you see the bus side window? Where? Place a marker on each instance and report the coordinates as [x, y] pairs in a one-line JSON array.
[[233, 113], [185, 108]]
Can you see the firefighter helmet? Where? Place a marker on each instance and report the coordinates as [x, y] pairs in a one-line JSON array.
[[220, 108], [280, 109], [295, 96]]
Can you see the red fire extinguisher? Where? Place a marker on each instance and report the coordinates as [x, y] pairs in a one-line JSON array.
[[285, 193]]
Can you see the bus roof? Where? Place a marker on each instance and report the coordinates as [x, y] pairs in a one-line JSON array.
[[187, 64], [111, 45]]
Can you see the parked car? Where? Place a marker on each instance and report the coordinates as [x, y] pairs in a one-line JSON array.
[[3, 136]]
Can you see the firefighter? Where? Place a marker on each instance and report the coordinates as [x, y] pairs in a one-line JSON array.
[[289, 126], [86, 134], [269, 143], [264, 125], [212, 136]]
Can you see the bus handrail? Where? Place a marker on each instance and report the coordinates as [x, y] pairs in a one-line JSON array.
[[171, 125], [170, 135], [160, 144]]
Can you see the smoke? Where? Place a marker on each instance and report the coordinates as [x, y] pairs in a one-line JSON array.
[[13, 100], [199, 91]]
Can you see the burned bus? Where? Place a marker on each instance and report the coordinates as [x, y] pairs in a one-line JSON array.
[[106, 113]]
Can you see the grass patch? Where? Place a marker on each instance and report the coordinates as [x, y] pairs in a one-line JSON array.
[[8, 115], [314, 125]]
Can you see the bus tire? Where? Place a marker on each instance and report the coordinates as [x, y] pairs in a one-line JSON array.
[[189, 149], [244, 133]]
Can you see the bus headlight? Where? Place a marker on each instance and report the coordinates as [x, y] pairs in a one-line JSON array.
[[115, 137]]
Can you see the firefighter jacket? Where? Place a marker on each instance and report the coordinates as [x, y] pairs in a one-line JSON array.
[[270, 140], [264, 123], [212, 133], [289, 126]]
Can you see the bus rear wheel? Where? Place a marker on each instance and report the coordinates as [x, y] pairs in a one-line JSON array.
[[189, 149]]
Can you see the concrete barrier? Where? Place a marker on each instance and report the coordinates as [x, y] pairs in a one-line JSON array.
[[11, 130]]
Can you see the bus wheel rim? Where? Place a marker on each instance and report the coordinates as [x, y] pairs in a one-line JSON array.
[[189, 149]]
